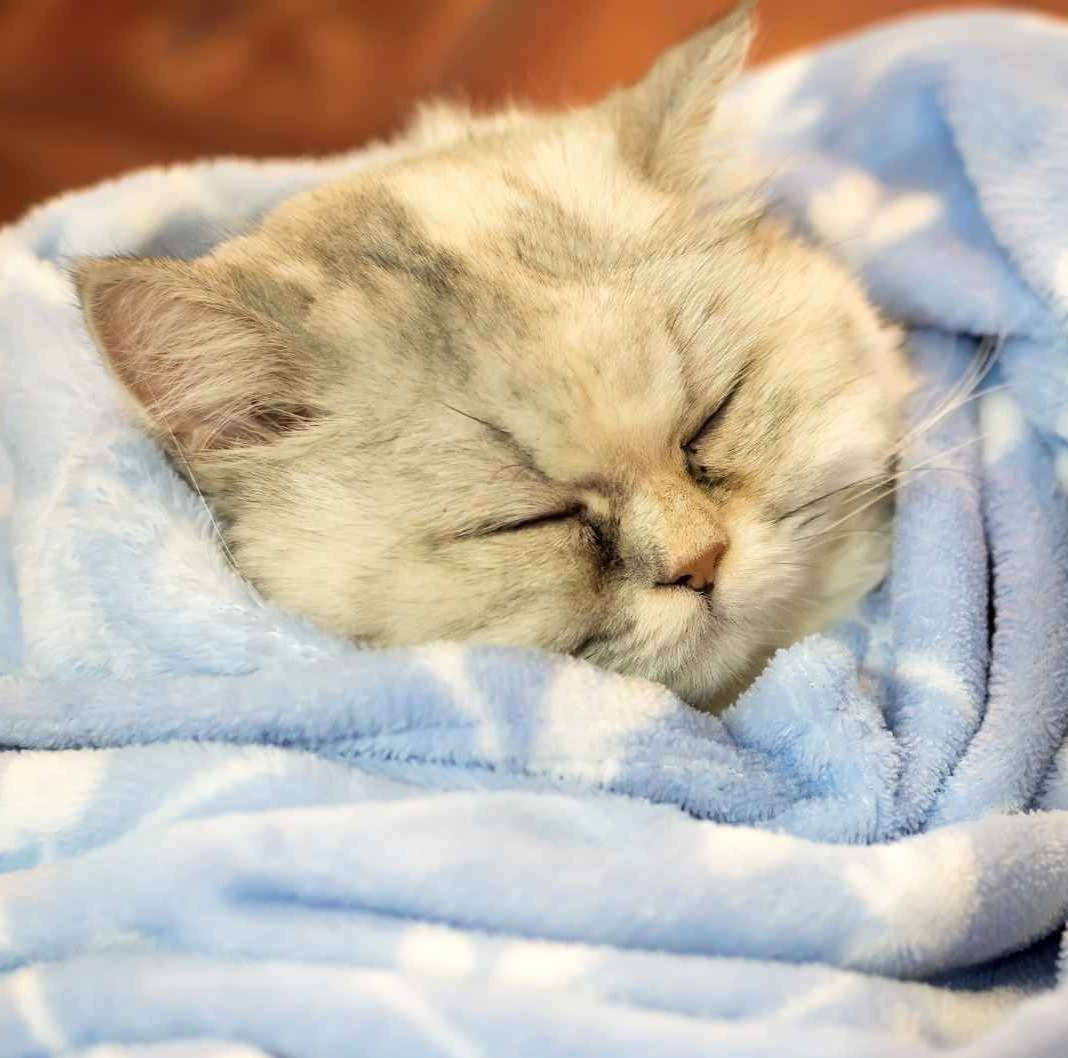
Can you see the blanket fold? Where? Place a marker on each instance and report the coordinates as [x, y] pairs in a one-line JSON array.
[[224, 832]]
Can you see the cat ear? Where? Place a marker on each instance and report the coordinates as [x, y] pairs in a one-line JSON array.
[[662, 120], [203, 372]]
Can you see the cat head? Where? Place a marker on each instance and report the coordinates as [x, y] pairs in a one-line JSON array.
[[543, 379]]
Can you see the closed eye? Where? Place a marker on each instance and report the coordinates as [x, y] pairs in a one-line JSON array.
[[534, 522], [713, 419]]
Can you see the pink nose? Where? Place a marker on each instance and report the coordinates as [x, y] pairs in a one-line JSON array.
[[699, 571]]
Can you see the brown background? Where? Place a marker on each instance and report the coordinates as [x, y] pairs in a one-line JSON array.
[[89, 88]]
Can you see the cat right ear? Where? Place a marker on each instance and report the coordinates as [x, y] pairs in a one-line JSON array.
[[662, 120], [204, 373]]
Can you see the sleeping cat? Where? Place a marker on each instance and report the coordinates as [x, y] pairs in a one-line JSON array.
[[552, 379]]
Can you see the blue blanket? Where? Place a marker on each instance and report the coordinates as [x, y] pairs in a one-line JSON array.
[[223, 832]]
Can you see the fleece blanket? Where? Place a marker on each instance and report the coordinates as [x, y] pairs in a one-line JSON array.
[[224, 832]]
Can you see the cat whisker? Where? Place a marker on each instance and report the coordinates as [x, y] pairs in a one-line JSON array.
[[879, 497], [928, 463], [829, 495], [877, 482], [827, 535], [961, 393], [885, 483], [945, 410]]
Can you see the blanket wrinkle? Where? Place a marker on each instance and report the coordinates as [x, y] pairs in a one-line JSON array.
[[225, 833]]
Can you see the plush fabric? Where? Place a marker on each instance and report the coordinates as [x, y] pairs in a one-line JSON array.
[[223, 832]]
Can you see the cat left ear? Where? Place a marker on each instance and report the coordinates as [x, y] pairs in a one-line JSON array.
[[662, 120], [203, 372]]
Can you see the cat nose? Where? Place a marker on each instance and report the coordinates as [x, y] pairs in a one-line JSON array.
[[699, 570]]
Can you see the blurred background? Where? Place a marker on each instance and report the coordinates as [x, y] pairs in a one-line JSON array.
[[90, 88]]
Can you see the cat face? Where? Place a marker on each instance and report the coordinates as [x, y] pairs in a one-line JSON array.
[[530, 382]]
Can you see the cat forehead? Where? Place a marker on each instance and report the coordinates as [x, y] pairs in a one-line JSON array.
[[541, 182], [435, 216], [543, 177], [397, 264], [542, 298]]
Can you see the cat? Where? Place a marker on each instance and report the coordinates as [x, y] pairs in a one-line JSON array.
[[554, 379]]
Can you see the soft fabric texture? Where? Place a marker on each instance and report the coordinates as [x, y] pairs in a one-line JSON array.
[[225, 833]]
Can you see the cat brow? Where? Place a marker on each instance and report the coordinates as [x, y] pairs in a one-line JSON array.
[[500, 433]]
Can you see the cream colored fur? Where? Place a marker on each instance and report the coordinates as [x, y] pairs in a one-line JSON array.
[[530, 316]]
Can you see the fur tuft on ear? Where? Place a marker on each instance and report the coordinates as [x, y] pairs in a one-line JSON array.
[[203, 372], [662, 120]]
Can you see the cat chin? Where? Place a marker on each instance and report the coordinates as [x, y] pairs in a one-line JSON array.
[[707, 668], [706, 683]]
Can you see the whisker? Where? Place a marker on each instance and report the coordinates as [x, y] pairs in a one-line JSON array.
[[926, 464], [880, 481], [945, 410], [878, 498], [837, 534], [828, 495], [962, 392]]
